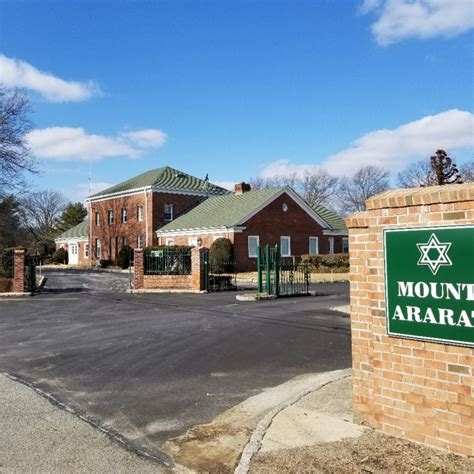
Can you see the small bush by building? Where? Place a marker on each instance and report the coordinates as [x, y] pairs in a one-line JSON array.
[[124, 257], [326, 263], [60, 256]]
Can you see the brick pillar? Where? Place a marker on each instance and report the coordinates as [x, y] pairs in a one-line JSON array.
[[414, 389], [138, 268], [19, 271], [197, 268]]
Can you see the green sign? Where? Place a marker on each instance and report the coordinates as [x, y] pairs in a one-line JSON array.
[[429, 284]]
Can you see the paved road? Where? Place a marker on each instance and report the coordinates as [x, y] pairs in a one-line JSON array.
[[151, 366]]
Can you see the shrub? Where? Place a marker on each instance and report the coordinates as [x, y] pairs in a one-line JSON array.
[[6, 263], [221, 254], [104, 263], [124, 257], [60, 256], [324, 263]]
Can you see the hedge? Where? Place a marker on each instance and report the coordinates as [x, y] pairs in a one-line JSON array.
[[326, 263]]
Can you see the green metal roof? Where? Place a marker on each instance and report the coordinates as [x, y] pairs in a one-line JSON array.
[[221, 211], [80, 230], [335, 221], [165, 178]]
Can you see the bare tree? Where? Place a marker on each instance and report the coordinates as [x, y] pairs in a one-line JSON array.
[[417, 174], [41, 211], [15, 156], [467, 172], [366, 182], [445, 171], [318, 188]]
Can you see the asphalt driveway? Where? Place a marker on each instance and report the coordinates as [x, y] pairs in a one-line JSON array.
[[151, 366]]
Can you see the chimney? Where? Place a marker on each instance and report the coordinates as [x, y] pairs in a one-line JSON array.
[[241, 188]]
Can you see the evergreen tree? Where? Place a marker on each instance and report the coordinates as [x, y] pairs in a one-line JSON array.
[[73, 214], [444, 169]]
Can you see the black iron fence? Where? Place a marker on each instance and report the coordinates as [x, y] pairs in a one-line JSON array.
[[219, 275], [30, 274], [167, 262]]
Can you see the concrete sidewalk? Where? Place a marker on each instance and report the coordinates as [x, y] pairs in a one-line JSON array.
[[37, 436]]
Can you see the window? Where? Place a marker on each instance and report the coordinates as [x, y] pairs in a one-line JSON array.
[[345, 245], [139, 241], [169, 242], [168, 212], [285, 245], [313, 246], [86, 250], [110, 215], [97, 219], [73, 249], [139, 213], [98, 248], [331, 244], [124, 215], [192, 241], [253, 243]]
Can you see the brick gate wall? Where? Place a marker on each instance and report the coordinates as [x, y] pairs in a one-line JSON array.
[[193, 282], [17, 283], [417, 390]]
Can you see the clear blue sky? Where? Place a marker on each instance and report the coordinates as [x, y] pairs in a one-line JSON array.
[[237, 85]]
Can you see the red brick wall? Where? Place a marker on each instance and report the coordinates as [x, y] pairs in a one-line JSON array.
[[194, 281], [18, 271], [272, 222], [111, 236], [181, 203], [417, 390]]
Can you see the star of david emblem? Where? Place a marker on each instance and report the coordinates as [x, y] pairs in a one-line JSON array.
[[441, 249]]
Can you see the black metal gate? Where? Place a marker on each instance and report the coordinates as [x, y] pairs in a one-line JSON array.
[[281, 276], [219, 275], [30, 274]]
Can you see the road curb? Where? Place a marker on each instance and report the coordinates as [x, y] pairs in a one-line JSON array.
[[254, 444], [162, 459]]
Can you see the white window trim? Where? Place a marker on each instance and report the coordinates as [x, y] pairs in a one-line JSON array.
[[110, 217], [98, 248], [97, 219], [331, 245], [317, 245], [139, 241], [289, 245], [171, 208], [140, 213], [345, 239], [169, 242], [86, 250], [192, 241], [248, 245], [124, 213]]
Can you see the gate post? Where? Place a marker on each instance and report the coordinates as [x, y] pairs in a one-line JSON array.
[[259, 269], [267, 269], [138, 269], [277, 271], [198, 268], [19, 271]]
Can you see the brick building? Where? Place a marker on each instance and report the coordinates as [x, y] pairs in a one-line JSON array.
[[167, 207], [129, 213], [252, 218]]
